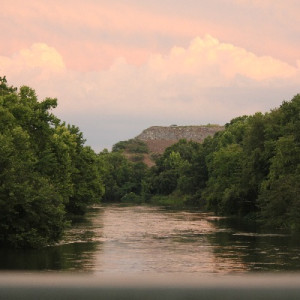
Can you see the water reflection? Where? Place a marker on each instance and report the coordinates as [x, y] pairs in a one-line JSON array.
[[258, 250], [151, 239], [76, 252], [138, 239], [75, 256]]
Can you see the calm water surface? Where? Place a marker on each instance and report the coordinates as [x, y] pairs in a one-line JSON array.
[[139, 239]]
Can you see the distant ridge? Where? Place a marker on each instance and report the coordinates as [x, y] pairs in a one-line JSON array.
[[158, 138]]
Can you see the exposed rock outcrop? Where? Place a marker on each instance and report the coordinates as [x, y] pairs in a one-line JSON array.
[[158, 138]]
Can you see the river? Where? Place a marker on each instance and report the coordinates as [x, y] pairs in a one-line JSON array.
[[148, 239]]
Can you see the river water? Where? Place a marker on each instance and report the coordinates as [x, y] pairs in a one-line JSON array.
[[147, 239]]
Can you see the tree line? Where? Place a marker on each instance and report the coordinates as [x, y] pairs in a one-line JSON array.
[[46, 172], [251, 169]]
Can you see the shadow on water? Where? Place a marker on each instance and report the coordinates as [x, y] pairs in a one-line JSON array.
[[259, 250], [76, 252], [69, 257]]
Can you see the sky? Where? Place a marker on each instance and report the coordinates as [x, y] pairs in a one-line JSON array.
[[119, 67]]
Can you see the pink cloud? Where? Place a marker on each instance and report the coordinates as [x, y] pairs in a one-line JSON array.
[[195, 84], [40, 62], [179, 82], [206, 62], [220, 61], [90, 35], [140, 60]]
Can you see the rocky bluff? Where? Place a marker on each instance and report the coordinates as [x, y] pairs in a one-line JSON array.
[[158, 138]]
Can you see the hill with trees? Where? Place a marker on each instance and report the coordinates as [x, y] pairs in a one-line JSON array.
[[153, 141], [251, 169]]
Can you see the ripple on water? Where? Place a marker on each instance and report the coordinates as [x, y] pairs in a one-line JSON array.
[[139, 239]]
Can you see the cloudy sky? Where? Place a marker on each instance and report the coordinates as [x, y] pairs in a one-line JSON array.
[[118, 67]]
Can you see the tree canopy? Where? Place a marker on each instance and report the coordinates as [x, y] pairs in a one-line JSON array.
[[46, 171], [252, 168]]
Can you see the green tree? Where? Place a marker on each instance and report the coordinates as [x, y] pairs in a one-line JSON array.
[[121, 176], [222, 192], [45, 169], [279, 196]]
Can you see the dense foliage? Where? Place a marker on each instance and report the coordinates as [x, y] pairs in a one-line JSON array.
[[252, 169], [45, 170], [131, 146], [123, 179]]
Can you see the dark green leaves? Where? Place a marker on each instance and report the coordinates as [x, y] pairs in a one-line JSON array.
[[45, 170]]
